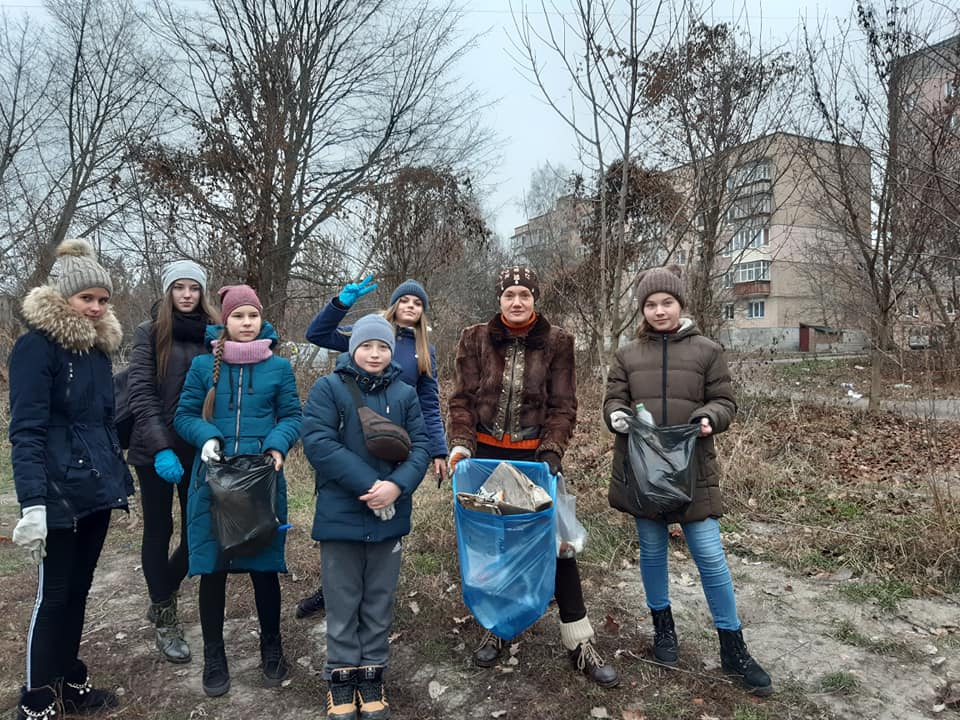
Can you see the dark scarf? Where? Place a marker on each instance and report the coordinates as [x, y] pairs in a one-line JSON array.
[[189, 327]]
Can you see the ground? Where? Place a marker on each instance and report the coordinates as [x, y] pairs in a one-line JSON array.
[[845, 565]]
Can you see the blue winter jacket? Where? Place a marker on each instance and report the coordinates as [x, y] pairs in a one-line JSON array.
[[326, 332], [256, 409], [65, 450], [333, 442]]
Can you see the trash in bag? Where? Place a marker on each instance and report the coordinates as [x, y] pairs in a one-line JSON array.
[[571, 534], [244, 507], [507, 492], [507, 562], [657, 470]]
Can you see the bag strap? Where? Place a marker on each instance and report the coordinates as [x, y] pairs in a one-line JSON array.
[[354, 391]]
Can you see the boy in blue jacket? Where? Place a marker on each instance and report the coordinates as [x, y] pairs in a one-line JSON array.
[[362, 512]]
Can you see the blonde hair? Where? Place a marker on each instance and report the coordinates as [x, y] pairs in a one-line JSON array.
[[210, 399], [421, 334]]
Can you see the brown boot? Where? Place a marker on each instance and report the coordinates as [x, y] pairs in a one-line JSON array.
[[577, 637]]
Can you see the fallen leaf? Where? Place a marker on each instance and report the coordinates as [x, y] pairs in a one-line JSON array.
[[498, 713], [610, 625], [435, 689], [633, 715], [698, 701], [414, 607], [599, 712], [462, 620]]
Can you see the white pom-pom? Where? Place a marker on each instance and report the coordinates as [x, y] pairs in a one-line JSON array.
[[76, 247]]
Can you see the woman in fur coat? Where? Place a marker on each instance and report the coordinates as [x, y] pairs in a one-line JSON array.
[[68, 469]]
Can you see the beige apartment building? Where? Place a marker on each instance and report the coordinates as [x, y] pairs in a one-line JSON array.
[[776, 235]]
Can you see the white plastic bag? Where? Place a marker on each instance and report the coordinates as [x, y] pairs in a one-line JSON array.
[[570, 532]]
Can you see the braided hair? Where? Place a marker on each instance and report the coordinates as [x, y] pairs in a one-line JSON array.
[[211, 398]]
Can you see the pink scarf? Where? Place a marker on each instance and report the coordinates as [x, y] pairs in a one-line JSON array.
[[245, 353]]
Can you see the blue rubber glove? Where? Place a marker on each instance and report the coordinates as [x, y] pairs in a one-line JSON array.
[[354, 291], [168, 466]]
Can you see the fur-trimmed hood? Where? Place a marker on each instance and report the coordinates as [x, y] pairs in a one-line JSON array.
[[46, 309]]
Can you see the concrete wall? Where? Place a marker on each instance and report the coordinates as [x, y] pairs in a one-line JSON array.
[[786, 339]]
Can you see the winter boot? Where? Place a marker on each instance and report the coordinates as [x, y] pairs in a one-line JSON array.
[[312, 604], [216, 674], [664, 637], [736, 661], [373, 701], [577, 637], [272, 661], [170, 640], [488, 652], [38, 704], [79, 695], [342, 694]]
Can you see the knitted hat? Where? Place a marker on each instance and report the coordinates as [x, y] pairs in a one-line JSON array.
[[409, 287], [661, 279], [234, 296], [371, 327], [519, 275], [182, 270], [76, 268]]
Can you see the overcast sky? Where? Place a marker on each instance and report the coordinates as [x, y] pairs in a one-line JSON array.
[[532, 134]]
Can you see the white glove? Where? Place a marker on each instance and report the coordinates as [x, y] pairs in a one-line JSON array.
[[458, 453], [210, 450], [618, 421], [31, 532], [386, 513]]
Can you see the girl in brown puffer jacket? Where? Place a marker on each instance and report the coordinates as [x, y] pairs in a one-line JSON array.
[[681, 377]]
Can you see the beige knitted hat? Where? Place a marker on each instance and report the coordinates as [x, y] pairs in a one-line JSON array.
[[76, 268]]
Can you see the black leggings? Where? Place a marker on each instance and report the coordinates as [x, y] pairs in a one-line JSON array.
[[213, 603], [53, 642], [164, 571], [568, 592]]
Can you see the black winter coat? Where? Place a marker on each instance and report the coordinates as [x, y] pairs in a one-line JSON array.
[[154, 403], [65, 450]]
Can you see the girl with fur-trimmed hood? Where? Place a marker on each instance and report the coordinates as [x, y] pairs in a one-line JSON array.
[[68, 469]]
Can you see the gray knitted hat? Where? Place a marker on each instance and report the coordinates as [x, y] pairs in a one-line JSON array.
[[661, 279], [182, 270], [410, 287], [371, 327], [76, 268]]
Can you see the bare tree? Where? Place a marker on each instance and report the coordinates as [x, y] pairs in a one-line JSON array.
[[865, 102], [294, 109]]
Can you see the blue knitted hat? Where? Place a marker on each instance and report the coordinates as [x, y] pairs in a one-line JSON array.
[[371, 327], [409, 287]]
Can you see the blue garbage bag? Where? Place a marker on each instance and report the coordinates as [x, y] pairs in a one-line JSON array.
[[508, 563]]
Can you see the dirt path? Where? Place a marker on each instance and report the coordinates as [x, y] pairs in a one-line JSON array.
[[802, 629]]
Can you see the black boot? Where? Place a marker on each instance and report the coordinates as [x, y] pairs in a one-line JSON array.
[[587, 660], [170, 641], [272, 661], [373, 701], [79, 695], [664, 637], [216, 674], [311, 604], [488, 651], [736, 661], [38, 704], [342, 694]]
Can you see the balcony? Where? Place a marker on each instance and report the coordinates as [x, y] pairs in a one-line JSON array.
[[755, 288]]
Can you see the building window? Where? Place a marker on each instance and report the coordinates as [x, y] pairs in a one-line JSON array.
[[728, 278], [951, 308], [914, 311], [751, 271], [749, 173], [949, 89], [728, 311], [680, 257], [752, 237], [755, 309], [750, 206]]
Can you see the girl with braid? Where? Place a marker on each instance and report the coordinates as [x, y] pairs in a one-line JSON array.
[[238, 399]]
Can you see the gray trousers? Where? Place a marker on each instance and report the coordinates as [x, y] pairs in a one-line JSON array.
[[359, 584]]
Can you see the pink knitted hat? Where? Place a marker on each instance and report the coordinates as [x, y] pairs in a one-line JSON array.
[[234, 296]]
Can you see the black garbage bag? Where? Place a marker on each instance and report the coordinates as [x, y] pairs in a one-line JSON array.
[[244, 508], [657, 470]]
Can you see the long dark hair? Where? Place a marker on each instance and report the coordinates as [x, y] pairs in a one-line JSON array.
[[163, 327]]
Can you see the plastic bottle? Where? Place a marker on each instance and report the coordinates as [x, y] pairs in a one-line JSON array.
[[644, 416]]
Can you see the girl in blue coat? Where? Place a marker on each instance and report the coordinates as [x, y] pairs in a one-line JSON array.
[[67, 468], [239, 399], [362, 512], [413, 353]]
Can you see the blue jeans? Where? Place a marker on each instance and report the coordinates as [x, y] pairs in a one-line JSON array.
[[703, 539]]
